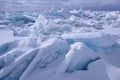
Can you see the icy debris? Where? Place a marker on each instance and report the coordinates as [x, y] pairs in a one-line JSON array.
[[36, 29], [74, 11], [61, 10], [57, 20], [51, 26], [87, 18], [73, 18], [78, 58], [111, 16], [40, 20], [65, 27], [18, 16]]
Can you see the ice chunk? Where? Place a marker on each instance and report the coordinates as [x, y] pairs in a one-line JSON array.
[[38, 26], [30, 18], [74, 11], [18, 16], [98, 39], [78, 58], [51, 26], [40, 20], [6, 22], [66, 27], [49, 51], [73, 18], [35, 30]]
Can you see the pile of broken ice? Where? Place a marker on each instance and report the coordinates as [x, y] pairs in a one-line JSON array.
[[78, 41]]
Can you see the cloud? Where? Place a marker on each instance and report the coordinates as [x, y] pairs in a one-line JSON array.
[[94, 4], [88, 4]]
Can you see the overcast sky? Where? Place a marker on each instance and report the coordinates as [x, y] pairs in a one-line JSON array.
[[44, 4]]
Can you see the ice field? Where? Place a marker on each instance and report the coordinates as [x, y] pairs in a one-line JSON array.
[[60, 45]]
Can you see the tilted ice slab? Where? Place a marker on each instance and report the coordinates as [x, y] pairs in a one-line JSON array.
[[49, 51], [17, 67], [11, 51], [96, 39], [51, 25], [16, 61], [7, 47]]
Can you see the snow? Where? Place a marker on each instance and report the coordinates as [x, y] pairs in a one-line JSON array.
[[112, 71], [96, 71]]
